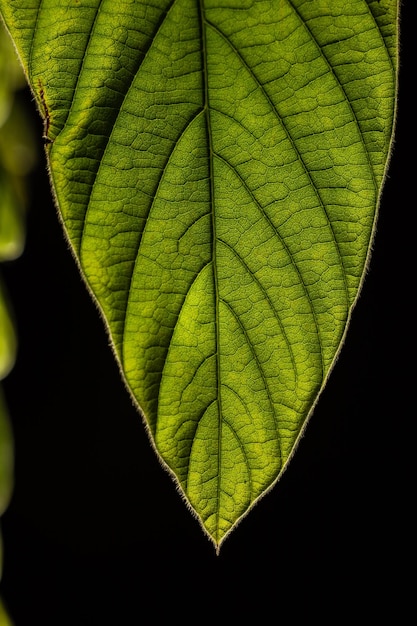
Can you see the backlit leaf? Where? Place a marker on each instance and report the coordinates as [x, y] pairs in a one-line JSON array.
[[217, 166]]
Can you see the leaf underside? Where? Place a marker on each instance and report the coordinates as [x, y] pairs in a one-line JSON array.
[[217, 165]]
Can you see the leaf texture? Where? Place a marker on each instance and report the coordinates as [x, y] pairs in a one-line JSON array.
[[217, 165]]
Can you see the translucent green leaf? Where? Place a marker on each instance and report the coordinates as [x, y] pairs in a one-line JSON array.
[[217, 165]]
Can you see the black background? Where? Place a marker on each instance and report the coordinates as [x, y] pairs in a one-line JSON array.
[[96, 532]]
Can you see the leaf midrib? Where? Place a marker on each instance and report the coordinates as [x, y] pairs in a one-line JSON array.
[[206, 108]]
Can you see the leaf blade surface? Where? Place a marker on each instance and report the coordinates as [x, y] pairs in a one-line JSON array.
[[218, 166]]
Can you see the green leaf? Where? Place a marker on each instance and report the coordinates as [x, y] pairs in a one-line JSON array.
[[7, 336], [217, 166], [17, 153]]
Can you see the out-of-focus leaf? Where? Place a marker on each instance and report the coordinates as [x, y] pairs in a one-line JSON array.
[[17, 157], [7, 337], [17, 152], [6, 482], [6, 456], [4, 617]]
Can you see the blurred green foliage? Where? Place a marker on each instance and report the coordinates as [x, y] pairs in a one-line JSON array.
[[17, 153], [17, 158]]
